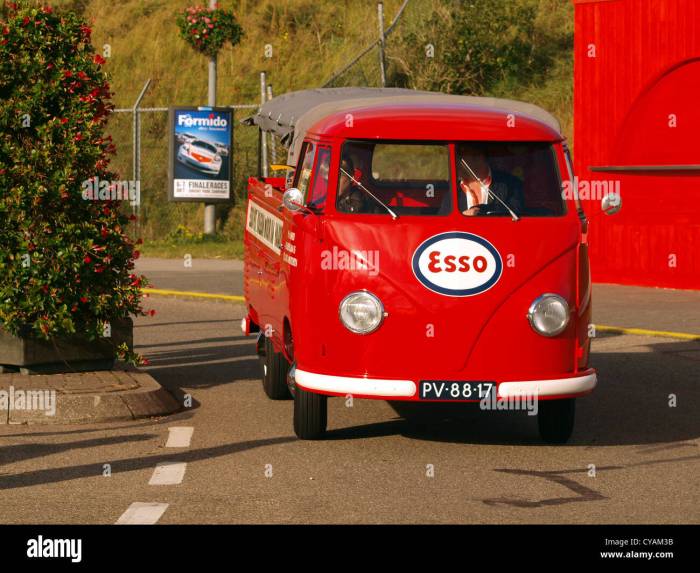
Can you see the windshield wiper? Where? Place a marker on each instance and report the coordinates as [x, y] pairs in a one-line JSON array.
[[491, 193], [361, 186]]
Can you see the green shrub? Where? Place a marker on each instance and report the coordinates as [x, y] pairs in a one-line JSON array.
[[66, 262], [482, 46]]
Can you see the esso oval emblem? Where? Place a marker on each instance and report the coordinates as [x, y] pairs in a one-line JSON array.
[[457, 264]]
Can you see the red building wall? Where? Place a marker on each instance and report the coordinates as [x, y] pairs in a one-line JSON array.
[[637, 124]]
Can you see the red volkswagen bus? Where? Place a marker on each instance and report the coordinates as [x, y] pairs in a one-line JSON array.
[[421, 248]]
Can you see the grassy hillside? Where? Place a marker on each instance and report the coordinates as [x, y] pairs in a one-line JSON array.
[[310, 39]]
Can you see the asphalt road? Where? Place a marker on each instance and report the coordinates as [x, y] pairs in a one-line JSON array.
[[632, 459], [195, 275], [613, 305]]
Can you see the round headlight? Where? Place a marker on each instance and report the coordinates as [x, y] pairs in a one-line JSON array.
[[549, 315], [361, 312]]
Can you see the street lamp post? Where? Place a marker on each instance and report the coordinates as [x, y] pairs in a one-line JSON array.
[[209, 208]]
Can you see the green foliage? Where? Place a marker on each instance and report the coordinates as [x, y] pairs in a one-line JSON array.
[[182, 234], [310, 40], [208, 30], [184, 241], [66, 263], [479, 46], [493, 43]]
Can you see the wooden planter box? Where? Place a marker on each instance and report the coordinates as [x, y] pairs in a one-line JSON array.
[[73, 353]]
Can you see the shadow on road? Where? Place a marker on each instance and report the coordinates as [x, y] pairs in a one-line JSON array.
[[581, 492], [102, 427], [178, 323], [60, 474], [633, 404], [202, 363], [21, 452]]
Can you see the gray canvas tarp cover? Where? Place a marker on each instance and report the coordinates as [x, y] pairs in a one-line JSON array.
[[289, 116]]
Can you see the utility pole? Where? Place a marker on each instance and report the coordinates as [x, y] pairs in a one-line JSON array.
[[209, 208], [136, 132], [263, 140], [382, 41], [273, 150]]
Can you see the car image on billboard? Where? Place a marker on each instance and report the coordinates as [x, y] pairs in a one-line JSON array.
[[201, 156], [200, 160]]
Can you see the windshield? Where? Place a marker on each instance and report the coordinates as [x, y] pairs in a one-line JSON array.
[[511, 179], [503, 179], [409, 178], [204, 145]]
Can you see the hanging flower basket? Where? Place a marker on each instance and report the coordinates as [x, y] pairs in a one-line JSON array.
[[208, 30]]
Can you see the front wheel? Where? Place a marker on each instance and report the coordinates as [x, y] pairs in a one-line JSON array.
[[310, 414], [274, 374], [556, 420]]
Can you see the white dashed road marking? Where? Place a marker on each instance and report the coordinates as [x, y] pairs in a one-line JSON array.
[[140, 513], [168, 473], [179, 437]]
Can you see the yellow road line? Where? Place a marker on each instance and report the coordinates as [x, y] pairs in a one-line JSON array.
[[601, 327], [163, 292], [645, 332]]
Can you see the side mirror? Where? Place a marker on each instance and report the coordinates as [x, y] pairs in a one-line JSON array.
[[611, 203], [293, 199]]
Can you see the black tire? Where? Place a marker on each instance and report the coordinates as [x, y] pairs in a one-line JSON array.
[[310, 414], [274, 373], [555, 419]]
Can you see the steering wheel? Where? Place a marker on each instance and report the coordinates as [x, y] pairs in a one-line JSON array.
[[492, 209]]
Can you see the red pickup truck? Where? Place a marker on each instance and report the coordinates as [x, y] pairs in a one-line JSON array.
[[423, 250]]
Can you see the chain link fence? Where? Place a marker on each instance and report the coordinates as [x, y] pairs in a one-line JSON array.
[[147, 141], [371, 67], [140, 135]]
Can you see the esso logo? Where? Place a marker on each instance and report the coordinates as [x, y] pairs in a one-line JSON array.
[[457, 264]]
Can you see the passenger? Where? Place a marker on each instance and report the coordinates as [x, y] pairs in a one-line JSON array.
[[474, 199], [351, 199]]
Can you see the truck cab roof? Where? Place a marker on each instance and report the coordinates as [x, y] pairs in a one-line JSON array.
[[427, 122], [398, 113]]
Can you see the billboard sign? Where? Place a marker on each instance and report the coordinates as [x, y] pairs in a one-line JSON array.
[[201, 166]]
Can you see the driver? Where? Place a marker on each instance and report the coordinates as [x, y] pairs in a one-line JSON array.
[[474, 199]]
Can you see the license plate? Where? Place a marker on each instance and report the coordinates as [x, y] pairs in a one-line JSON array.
[[448, 390]]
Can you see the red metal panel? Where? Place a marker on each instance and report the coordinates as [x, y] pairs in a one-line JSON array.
[[637, 76]]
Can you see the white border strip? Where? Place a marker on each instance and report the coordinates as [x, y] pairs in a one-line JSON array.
[[558, 387], [348, 385]]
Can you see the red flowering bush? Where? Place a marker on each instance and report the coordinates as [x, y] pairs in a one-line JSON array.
[[66, 262], [208, 30]]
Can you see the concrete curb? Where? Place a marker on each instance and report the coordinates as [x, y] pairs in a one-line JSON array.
[[107, 396]]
